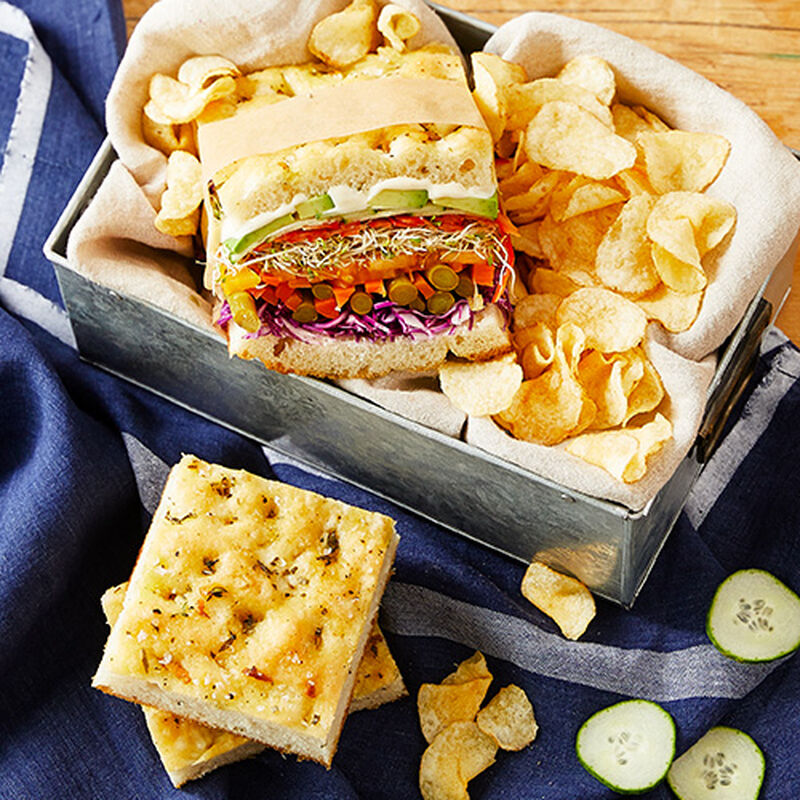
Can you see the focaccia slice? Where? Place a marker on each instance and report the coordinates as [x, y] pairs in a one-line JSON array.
[[189, 750], [249, 608]]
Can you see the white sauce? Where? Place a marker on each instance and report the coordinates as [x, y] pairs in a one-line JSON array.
[[350, 201]]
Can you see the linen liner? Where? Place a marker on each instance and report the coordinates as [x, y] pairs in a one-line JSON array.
[[115, 244]]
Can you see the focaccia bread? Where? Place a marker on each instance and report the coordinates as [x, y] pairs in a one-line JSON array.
[[189, 750], [249, 608]]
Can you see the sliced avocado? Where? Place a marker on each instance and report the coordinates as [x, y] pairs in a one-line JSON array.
[[480, 206], [314, 207], [399, 198], [238, 247]]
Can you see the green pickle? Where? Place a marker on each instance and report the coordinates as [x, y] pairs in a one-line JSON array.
[[243, 311], [440, 302], [361, 303], [322, 291], [466, 287], [305, 312], [442, 277], [418, 304], [402, 291]]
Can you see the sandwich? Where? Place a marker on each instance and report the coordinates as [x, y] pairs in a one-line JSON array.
[[352, 225]]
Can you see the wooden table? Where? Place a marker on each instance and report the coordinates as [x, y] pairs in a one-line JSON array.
[[751, 48]]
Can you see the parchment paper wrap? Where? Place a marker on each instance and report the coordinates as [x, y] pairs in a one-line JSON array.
[[115, 243]]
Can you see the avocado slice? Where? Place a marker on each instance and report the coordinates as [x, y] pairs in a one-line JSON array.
[[238, 247], [480, 206], [399, 199], [314, 207]]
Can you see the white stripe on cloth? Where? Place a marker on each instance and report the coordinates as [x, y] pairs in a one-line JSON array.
[[748, 429], [29, 304], [693, 672], [26, 128]]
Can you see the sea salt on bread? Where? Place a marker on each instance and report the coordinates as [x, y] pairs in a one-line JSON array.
[[249, 608], [189, 750]]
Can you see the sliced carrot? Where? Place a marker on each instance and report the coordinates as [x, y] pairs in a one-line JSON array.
[[265, 293], [342, 294], [501, 287], [375, 287], [293, 300], [483, 274], [423, 287], [283, 291], [327, 307], [270, 279], [506, 225], [300, 283]]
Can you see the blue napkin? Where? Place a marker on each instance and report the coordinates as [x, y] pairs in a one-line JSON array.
[[84, 456]]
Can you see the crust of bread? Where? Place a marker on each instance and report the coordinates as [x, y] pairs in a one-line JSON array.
[[168, 648], [327, 357]]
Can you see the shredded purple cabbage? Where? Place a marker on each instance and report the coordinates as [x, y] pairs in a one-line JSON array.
[[386, 322]]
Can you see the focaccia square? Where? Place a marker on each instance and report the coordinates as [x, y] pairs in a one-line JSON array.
[[249, 608], [189, 750]]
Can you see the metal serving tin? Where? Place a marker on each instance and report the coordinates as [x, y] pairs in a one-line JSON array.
[[467, 490]]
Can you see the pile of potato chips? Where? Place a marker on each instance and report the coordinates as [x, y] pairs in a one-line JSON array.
[[462, 737], [612, 226]]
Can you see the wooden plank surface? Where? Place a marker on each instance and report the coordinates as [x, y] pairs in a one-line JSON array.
[[751, 48]]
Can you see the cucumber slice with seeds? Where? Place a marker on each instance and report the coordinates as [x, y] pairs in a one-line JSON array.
[[726, 764], [754, 617], [628, 746]]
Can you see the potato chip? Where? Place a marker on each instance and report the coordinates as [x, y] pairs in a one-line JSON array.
[[489, 98], [200, 72], [508, 718], [682, 276], [536, 308], [505, 73], [548, 281], [567, 137], [525, 101], [602, 378], [627, 123], [546, 409], [521, 179], [459, 753], [682, 160], [623, 453], [167, 137], [180, 103], [646, 395], [440, 705], [470, 669], [343, 38], [654, 122], [572, 245], [676, 311], [179, 213], [633, 181], [690, 224], [624, 261], [593, 74], [589, 197], [525, 239], [269, 82], [564, 599], [532, 204], [397, 25], [537, 348], [611, 323], [481, 388]]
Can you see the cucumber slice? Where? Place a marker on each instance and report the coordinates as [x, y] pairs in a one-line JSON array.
[[754, 617], [725, 764], [628, 746], [314, 207], [238, 247]]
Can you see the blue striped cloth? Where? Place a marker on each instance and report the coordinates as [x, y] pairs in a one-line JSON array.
[[84, 456]]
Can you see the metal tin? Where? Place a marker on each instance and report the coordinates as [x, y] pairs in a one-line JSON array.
[[460, 487]]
